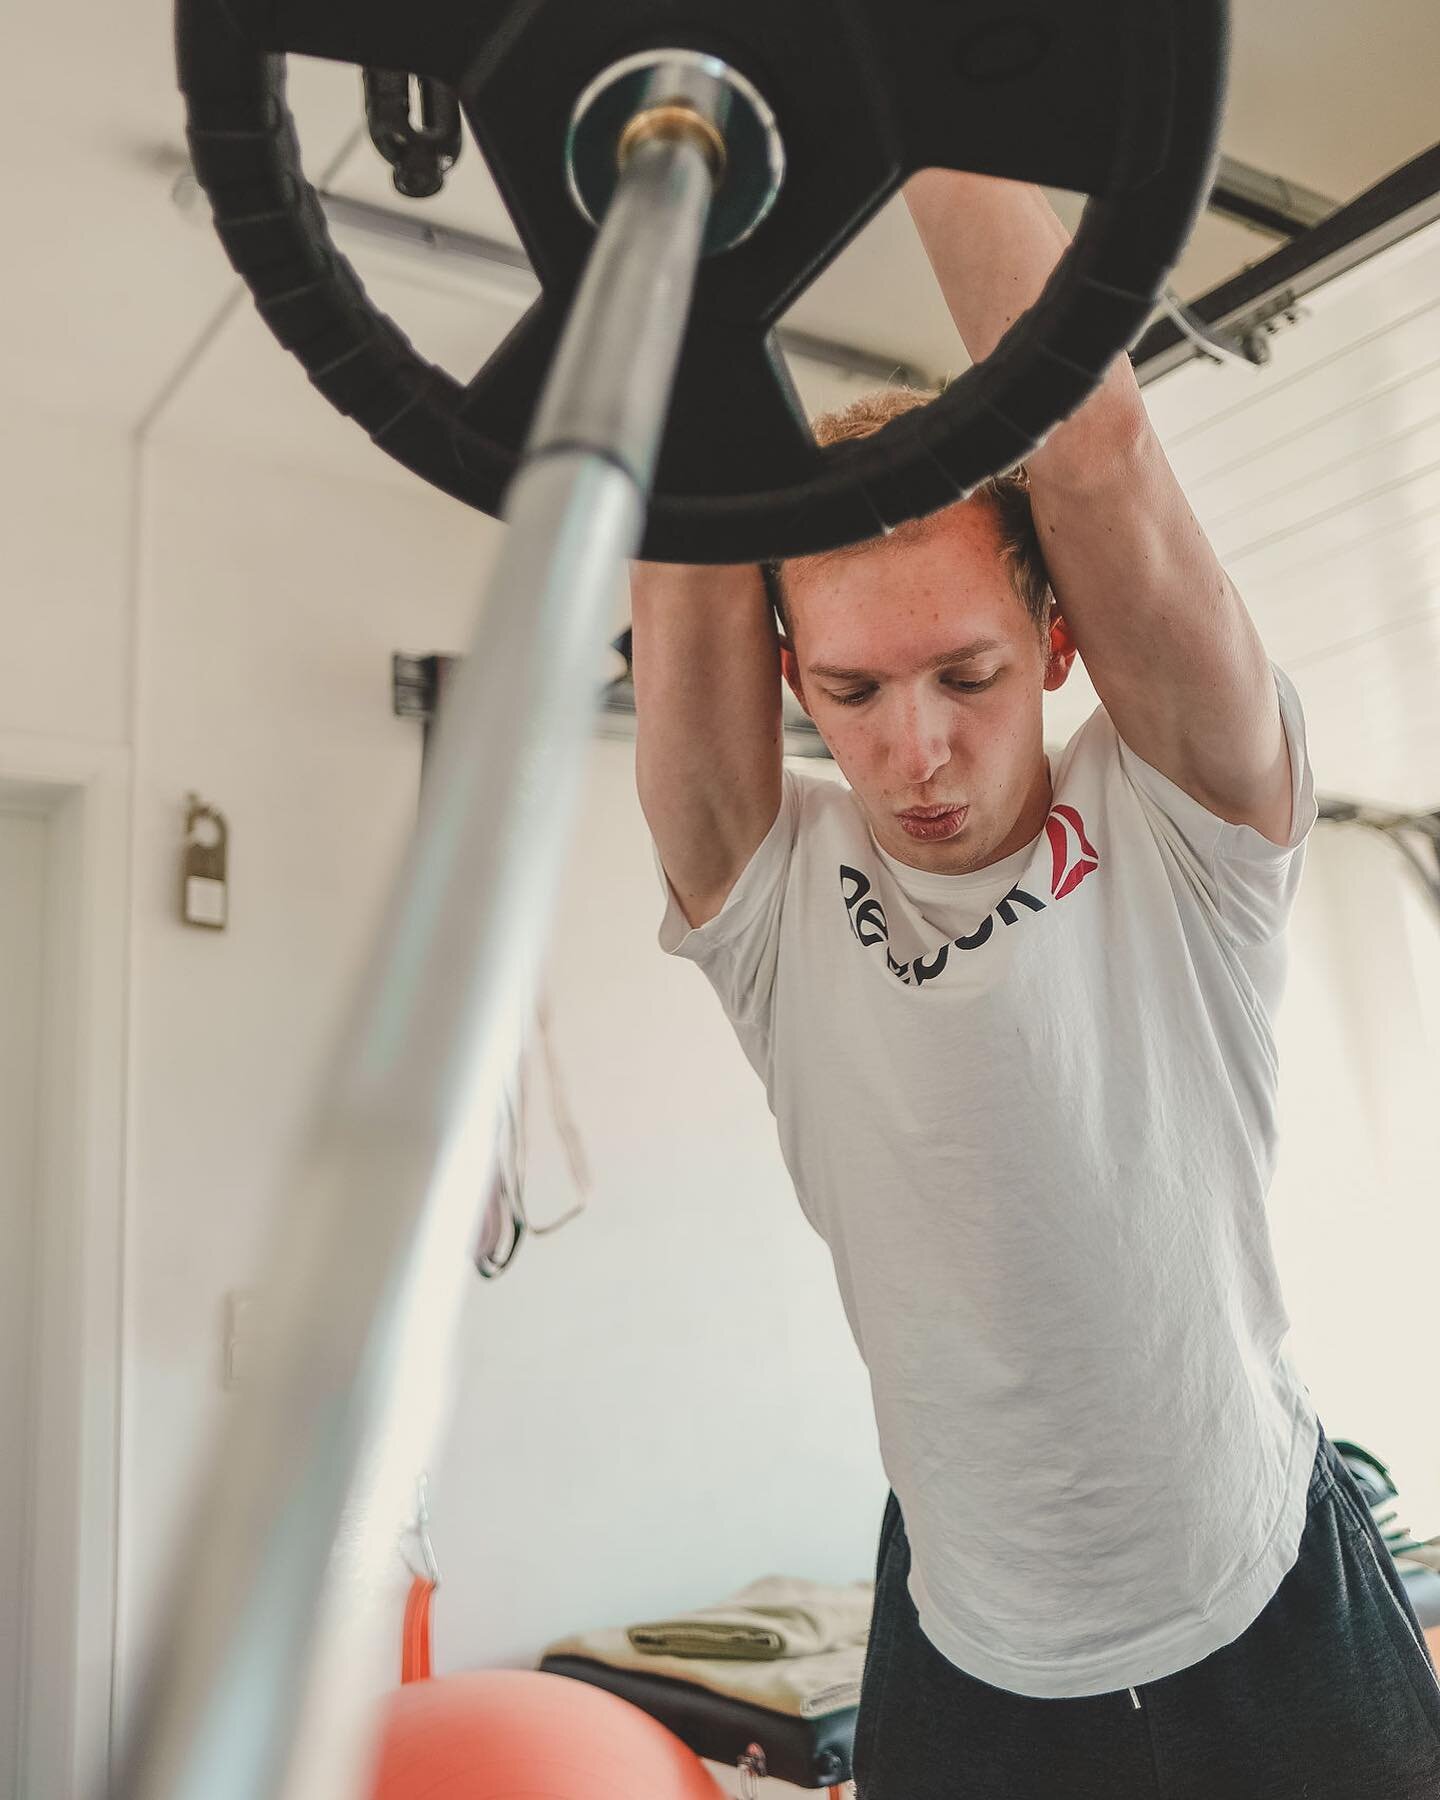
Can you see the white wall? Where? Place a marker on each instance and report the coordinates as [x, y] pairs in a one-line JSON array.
[[66, 503], [661, 1401], [1353, 1206]]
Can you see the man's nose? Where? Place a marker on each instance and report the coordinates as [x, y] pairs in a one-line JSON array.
[[921, 745]]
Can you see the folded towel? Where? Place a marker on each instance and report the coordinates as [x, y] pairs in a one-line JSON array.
[[801, 1687], [777, 1616]]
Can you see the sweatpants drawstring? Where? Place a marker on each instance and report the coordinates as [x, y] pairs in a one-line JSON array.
[[1136, 1698]]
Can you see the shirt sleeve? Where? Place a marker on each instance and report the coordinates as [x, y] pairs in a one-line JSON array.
[[1250, 880], [737, 950]]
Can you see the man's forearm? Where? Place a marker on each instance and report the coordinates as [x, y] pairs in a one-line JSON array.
[[993, 245]]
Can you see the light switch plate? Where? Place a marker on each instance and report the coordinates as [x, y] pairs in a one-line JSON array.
[[239, 1347]]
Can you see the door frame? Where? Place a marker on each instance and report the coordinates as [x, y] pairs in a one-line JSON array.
[[71, 1532]]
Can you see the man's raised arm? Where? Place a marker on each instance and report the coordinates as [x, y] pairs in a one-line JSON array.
[[1163, 633], [708, 723]]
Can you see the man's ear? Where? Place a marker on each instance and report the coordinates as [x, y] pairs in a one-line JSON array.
[[1060, 652], [790, 668]]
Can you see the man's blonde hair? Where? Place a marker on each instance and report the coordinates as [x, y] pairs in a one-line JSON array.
[[1007, 495]]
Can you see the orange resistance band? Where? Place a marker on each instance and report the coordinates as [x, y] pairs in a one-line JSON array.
[[415, 1651]]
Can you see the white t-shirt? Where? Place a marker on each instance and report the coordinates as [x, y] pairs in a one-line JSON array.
[[1031, 1111]]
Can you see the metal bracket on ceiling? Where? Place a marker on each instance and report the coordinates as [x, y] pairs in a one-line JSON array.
[[1267, 203], [1245, 340], [416, 683]]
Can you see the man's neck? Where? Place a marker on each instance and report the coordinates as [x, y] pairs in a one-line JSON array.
[[1032, 817]]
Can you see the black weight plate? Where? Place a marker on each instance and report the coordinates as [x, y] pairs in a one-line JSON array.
[[1118, 98]]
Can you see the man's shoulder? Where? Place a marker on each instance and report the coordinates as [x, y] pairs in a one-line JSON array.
[[815, 789], [1092, 745]]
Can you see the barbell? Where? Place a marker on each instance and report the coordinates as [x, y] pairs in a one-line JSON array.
[[1116, 99]]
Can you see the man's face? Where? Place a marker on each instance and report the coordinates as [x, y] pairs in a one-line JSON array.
[[924, 675]]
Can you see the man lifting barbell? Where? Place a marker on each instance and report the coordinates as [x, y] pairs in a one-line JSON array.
[[1014, 1019]]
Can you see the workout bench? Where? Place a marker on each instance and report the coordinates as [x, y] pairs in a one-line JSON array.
[[808, 1753]]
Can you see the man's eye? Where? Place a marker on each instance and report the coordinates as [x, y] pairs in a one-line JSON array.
[[856, 696]]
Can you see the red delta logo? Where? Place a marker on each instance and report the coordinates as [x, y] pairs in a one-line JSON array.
[[1072, 855]]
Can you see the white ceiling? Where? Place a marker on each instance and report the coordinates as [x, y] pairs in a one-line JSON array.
[[117, 305]]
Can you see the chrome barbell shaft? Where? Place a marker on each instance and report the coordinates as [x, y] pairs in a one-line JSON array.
[[373, 1259]]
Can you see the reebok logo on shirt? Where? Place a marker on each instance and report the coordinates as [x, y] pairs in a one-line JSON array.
[[1072, 858]]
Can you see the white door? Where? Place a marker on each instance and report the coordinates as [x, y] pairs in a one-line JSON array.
[[22, 898]]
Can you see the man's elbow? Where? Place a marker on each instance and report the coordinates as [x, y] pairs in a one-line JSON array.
[[1102, 447]]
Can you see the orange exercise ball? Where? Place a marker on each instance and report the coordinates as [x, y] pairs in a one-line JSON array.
[[504, 1734]]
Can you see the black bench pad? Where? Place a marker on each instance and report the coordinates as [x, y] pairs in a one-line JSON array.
[[808, 1753]]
